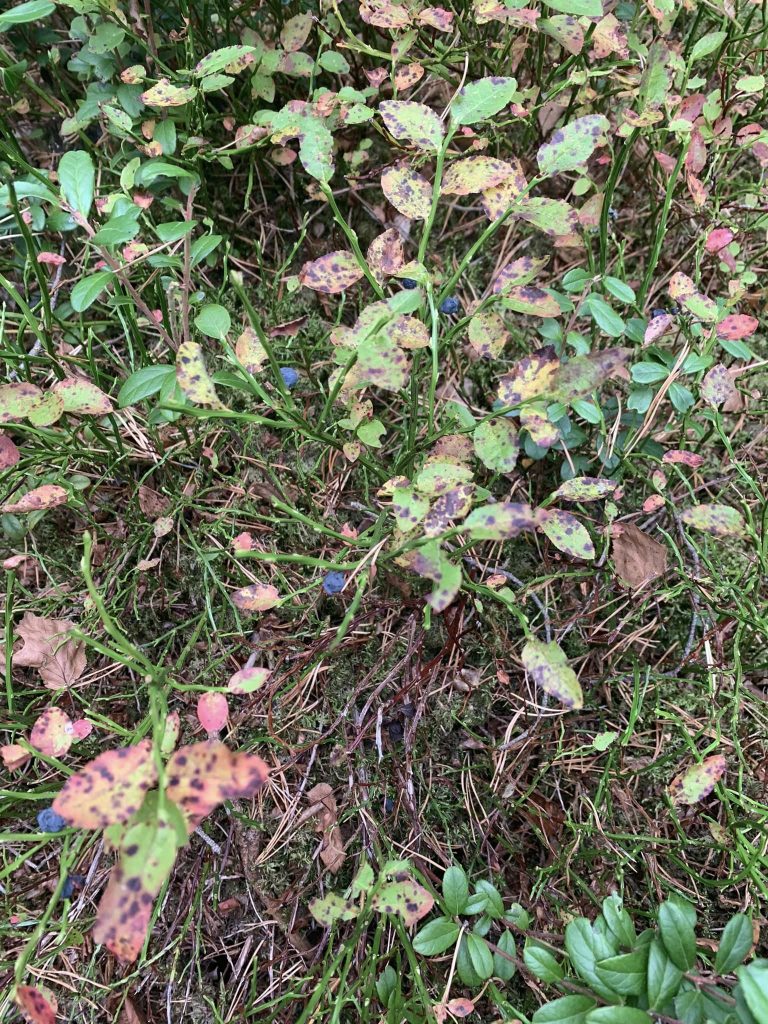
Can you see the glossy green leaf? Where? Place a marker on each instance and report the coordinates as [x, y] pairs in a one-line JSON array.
[[677, 934], [480, 955], [77, 180], [88, 289], [735, 944], [482, 99], [436, 936], [455, 889], [566, 1010], [541, 962], [214, 321], [663, 978]]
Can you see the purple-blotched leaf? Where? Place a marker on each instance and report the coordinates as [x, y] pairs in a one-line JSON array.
[[717, 520], [549, 668], [408, 192], [332, 273]]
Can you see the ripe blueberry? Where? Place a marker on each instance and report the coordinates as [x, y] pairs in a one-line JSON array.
[[333, 583], [409, 283], [50, 821], [290, 376], [450, 305]]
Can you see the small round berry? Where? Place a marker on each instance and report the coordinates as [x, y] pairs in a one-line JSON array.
[[613, 213], [657, 313], [409, 283], [71, 883], [450, 305], [50, 821], [290, 376], [333, 583]]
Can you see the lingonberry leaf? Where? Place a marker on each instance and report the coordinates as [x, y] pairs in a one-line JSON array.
[[405, 898], [715, 519], [39, 498], [332, 273], [16, 400], [737, 326], [257, 597], [496, 444], [109, 789], [203, 775], [53, 733], [697, 782], [482, 99], [248, 680], [331, 908], [192, 376], [36, 1007], [147, 851], [572, 145], [212, 710], [549, 668], [408, 192], [567, 533], [584, 488], [81, 397], [408, 121], [501, 521], [475, 174]]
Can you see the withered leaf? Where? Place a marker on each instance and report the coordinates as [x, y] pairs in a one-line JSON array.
[[637, 557]]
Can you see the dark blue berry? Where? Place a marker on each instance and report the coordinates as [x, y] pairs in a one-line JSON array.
[[389, 805], [450, 305], [333, 582], [658, 312], [290, 376], [612, 213], [71, 883], [50, 821], [409, 283]]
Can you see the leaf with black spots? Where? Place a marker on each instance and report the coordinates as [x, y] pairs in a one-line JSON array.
[[16, 401], [566, 30], [552, 216], [408, 121], [448, 509], [408, 192], [517, 273], [567, 533], [572, 145], [697, 782], [36, 1007], [53, 733], [496, 444], [717, 520], [501, 521], [585, 488], [497, 200], [531, 301], [737, 326], [549, 668], [332, 273], [109, 789], [192, 376], [404, 897], [531, 377], [683, 290], [331, 908], [201, 776], [81, 397]]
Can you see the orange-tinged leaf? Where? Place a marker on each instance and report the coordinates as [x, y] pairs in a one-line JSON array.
[[14, 756], [385, 253], [258, 597], [332, 273], [39, 498], [697, 782], [82, 397], [404, 897], [53, 733], [192, 375], [250, 351], [248, 680], [408, 192], [212, 711], [36, 1008], [203, 775], [475, 174], [108, 789], [166, 95]]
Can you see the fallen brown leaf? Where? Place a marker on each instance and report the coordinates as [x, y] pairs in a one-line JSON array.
[[323, 809], [151, 503], [59, 659], [637, 557]]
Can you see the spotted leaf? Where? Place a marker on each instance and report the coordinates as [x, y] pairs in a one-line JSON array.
[[550, 671], [38, 499], [404, 897], [567, 534], [384, 14], [108, 789], [248, 680], [448, 509], [572, 145], [166, 95], [717, 386], [258, 597], [566, 30], [518, 272], [212, 710], [531, 301], [408, 192], [332, 273], [409, 508], [683, 290], [475, 174], [250, 351], [501, 521], [381, 363], [47, 411], [81, 397], [53, 733], [496, 444], [203, 775], [487, 334], [737, 326], [482, 99], [530, 377], [585, 488], [498, 200], [192, 376], [36, 1007], [717, 520], [295, 32], [552, 216], [535, 419], [677, 456], [9, 453], [16, 400], [385, 253], [439, 475], [431, 562], [147, 852], [437, 18], [697, 782], [408, 121], [331, 908]]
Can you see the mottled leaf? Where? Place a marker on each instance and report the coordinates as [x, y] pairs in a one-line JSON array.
[[16, 401], [381, 363], [408, 192], [53, 733], [437, 18], [408, 507], [229, 58], [567, 534], [81, 397], [497, 200], [203, 775], [258, 597], [552, 216], [192, 376], [439, 475], [571, 146], [530, 377], [248, 680], [448, 509], [737, 326], [48, 410], [385, 253], [518, 272], [250, 351], [36, 1007], [108, 789], [549, 668], [698, 781], [487, 334], [531, 301], [331, 908], [677, 456], [717, 386], [404, 897], [332, 273], [496, 444], [566, 30], [501, 521], [413, 122], [166, 95], [431, 562], [295, 31], [9, 453], [717, 520], [585, 488], [475, 174], [683, 290]]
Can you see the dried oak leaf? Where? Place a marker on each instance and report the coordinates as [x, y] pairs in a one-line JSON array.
[[59, 659], [638, 558]]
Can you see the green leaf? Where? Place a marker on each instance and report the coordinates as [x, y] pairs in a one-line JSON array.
[[706, 45], [77, 179], [333, 61], [494, 904], [464, 968], [551, 672], [541, 962], [144, 383], [503, 968], [213, 321], [567, 534], [496, 444], [202, 248], [480, 100], [616, 917], [581, 8], [606, 319], [118, 230], [480, 955], [735, 944], [455, 889], [228, 57], [619, 289], [753, 980], [677, 934], [663, 978], [617, 1015], [572, 145], [649, 373], [584, 947], [566, 1010], [333, 907], [22, 14], [88, 289], [436, 937], [625, 973]]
